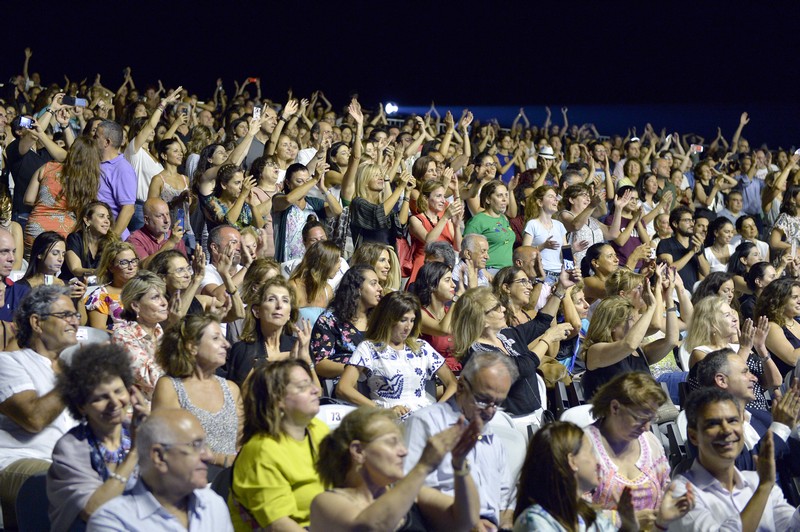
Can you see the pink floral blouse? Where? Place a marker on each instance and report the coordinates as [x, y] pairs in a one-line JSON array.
[[142, 350]]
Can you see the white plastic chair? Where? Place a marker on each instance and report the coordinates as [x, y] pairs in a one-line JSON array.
[[682, 424], [85, 336], [580, 415], [16, 275], [332, 415], [513, 442]]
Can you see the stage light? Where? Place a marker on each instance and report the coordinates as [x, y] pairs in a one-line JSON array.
[[391, 108]]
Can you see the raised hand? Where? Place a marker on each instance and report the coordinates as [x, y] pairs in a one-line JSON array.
[[760, 334], [674, 507], [765, 461], [300, 347], [355, 111], [744, 119], [290, 108]]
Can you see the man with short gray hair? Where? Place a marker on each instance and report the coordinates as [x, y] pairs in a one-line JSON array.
[[471, 268], [32, 414], [482, 386], [171, 493], [117, 178]]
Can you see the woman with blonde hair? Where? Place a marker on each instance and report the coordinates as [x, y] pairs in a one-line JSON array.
[[715, 326], [145, 307], [373, 204], [479, 324], [396, 364], [613, 343], [367, 492], [190, 354], [383, 260], [310, 279], [118, 265]]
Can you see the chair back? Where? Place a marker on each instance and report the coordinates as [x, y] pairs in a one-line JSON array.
[[333, 414], [31, 505], [580, 415]]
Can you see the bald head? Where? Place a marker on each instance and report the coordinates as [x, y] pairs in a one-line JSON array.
[[156, 216], [8, 250]]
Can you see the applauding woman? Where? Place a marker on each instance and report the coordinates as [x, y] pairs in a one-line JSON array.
[[371, 493]]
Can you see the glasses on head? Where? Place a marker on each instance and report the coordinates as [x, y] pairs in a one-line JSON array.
[[524, 281], [126, 263], [479, 404], [196, 445], [186, 270], [66, 315], [639, 419]]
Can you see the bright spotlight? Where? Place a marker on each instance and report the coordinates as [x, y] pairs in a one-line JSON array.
[[391, 108]]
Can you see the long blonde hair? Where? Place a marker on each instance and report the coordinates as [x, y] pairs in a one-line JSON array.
[[707, 319], [469, 317], [609, 313]]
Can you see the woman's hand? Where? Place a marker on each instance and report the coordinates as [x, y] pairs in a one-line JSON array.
[[174, 314], [300, 347], [747, 337], [443, 442], [77, 289], [622, 202], [220, 309], [558, 333], [247, 186], [674, 507], [355, 111], [198, 264], [466, 442], [141, 410], [454, 211], [760, 335], [647, 293], [626, 512], [668, 284], [550, 243], [172, 98]]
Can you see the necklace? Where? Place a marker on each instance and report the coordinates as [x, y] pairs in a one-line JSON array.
[[438, 315], [115, 456]]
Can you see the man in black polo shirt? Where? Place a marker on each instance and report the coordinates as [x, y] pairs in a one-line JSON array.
[[682, 249]]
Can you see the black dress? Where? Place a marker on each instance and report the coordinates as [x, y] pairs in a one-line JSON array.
[[595, 378]]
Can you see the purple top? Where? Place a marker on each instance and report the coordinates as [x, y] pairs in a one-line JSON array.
[[623, 252], [117, 185]]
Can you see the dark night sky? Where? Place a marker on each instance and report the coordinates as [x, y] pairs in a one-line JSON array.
[[531, 53]]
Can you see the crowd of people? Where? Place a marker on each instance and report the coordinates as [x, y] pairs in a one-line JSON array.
[[249, 259]]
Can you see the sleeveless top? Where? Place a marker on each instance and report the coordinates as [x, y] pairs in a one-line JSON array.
[[168, 194], [220, 426], [646, 489]]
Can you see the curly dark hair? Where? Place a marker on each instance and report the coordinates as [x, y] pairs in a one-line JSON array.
[[345, 301], [773, 298], [428, 280], [91, 366]]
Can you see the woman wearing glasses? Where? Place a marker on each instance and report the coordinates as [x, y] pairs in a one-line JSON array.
[[96, 460], [145, 307], [118, 264], [479, 324], [513, 289], [630, 456]]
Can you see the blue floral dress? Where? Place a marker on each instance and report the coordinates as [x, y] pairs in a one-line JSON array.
[[397, 377]]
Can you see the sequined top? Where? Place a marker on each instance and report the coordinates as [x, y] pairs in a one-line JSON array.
[[221, 426]]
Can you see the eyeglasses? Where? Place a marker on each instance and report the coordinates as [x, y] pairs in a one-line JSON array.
[[480, 405], [496, 307], [126, 263], [641, 420], [66, 315], [490, 165], [196, 445], [524, 281], [186, 270], [687, 220]]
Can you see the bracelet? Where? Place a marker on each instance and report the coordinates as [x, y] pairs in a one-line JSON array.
[[407, 198], [282, 118], [672, 309], [660, 527], [546, 342], [463, 471], [559, 296], [117, 477], [235, 290], [225, 462]]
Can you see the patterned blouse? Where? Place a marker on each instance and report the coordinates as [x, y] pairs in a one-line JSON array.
[[105, 303], [646, 489], [790, 225], [216, 213], [536, 518], [333, 339], [142, 350], [397, 377]]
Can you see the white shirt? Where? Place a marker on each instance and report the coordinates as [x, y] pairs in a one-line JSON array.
[[551, 258], [289, 266], [21, 371], [718, 509], [212, 276], [145, 167]]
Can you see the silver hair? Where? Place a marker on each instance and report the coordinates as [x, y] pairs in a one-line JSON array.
[[486, 359], [470, 241], [37, 301], [442, 250], [113, 132]]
